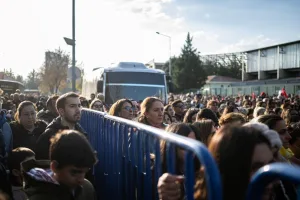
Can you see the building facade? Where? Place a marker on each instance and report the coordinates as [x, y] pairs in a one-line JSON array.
[[270, 69]]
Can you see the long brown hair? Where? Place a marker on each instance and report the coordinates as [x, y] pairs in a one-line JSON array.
[[233, 148], [116, 108], [179, 129], [205, 128], [21, 107], [145, 107]]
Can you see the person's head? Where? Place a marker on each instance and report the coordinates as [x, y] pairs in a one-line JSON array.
[[213, 105], [258, 111], [286, 105], [295, 139], [272, 136], [84, 103], [167, 118], [207, 114], [97, 105], [179, 129], [278, 111], [93, 96], [152, 111], [51, 104], [22, 97], [233, 119], [135, 107], [206, 130], [277, 124], [71, 157], [100, 96], [239, 153], [16, 97], [250, 114], [178, 107], [26, 114], [230, 109], [260, 104], [14, 160], [197, 97], [191, 115], [169, 109], [69, 107], [122, 108], [290, 116]]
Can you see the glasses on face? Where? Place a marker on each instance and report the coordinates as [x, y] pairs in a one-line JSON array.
[[98, 106], [180, 106], [128, 108]]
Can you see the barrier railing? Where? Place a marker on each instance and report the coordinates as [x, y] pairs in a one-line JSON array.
[[125, 169], [270, 173]]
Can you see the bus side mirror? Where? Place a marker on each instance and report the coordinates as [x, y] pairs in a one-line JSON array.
[[171, 87], [100, 86], [170, 84]]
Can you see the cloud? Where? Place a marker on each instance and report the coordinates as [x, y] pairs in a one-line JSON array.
[[248, 44]]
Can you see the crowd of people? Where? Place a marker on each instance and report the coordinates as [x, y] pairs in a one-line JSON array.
[[45, 152]]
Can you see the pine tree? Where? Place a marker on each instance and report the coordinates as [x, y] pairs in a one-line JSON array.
[[188, 71]]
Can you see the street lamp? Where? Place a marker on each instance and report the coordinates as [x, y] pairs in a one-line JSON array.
[[170, 64], [71, 42]]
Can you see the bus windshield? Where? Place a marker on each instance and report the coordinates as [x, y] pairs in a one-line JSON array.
[[135, 78], [136, 92]]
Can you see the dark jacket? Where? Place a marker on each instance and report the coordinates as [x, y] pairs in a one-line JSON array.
[[179, 118], [43, 143], [24, 138], [40, 184], [5, 185], [46, 116]]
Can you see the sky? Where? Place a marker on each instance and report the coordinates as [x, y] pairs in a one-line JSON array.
[[110, 31]]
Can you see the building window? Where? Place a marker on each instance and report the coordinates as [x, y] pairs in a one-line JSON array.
[[297, 89]]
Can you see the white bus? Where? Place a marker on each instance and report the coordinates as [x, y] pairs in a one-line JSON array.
[[129, 80]]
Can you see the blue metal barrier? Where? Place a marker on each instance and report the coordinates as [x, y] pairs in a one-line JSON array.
[[270, 173], [124, 169]]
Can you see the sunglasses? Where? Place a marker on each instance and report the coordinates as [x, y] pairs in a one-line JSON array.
[[97, 106], [128, 108]]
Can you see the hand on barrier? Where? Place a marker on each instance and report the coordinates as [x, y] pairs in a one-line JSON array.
[[169, 187]]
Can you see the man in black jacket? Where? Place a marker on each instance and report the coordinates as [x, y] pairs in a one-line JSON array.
[[50, 113], [69, 109]]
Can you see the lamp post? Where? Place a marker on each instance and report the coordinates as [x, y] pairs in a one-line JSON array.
[[71, 42], [170, 64]]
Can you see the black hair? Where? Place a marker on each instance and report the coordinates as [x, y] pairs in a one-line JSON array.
[[295, 133], [17, 156], [71, 147], [208, 114]]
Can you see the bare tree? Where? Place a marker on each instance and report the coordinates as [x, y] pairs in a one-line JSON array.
[[33, 81], [53, 74]]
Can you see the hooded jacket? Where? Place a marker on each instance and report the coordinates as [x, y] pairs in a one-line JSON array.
[[43, 143], [40, 184]]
